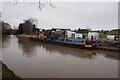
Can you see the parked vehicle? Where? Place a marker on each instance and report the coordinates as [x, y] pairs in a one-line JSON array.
[[94, 36], [113, 37], [113, 40]]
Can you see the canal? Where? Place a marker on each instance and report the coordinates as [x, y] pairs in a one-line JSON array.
[[29, 59]]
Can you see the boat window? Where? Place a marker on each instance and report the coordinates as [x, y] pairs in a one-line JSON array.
[[67, 40], [81, 41], [83, 36]]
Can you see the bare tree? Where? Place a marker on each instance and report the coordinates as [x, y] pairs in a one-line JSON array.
[[41, 4], [28, 27], [88, 28], [51, 4]]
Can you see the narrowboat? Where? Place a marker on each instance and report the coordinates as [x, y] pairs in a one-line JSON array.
[[67, 38], [80, 44]]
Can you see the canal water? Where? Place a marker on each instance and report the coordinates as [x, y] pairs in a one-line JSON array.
[[29, 59]]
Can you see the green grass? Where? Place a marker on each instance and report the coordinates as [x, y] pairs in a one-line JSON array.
[[108, 33], [8, 74]]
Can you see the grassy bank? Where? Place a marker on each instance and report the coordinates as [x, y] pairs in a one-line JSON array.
[[108, 33], [8, 74]]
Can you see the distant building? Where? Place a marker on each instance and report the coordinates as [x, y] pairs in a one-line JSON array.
[[60, 29]]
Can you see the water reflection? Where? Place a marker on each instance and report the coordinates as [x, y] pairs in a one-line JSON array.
[[109, 54], [57, 61], [27, 47], [69, 51], [83, 53], [90, 54], [5, 41]]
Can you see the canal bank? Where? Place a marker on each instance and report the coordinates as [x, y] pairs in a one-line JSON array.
[[7, 73], [108, 48]]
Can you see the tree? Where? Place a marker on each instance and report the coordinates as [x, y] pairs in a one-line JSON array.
[[20, 28], [32, 20], [27, 27], [88, 28], [79, 29], [6, 28], [41, 4]]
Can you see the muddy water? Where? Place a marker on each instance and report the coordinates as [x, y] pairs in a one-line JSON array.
[[39, 60]]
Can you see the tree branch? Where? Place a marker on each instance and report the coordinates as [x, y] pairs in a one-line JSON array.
[[51, 4]]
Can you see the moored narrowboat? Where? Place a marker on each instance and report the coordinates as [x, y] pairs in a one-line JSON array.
[[67, 38]]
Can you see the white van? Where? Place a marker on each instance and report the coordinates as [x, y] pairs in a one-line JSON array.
[[113, 37], [93, 35]]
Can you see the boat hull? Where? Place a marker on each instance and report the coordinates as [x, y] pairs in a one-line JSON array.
[[62, 43]]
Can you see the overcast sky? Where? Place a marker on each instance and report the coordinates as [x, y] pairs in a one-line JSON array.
[[96, 15]]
